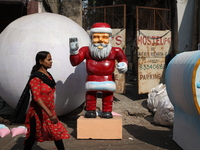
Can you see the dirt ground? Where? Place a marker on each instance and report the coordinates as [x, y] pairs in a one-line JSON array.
[[139, 130]]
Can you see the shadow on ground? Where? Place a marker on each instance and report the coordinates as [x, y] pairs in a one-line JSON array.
[[132, 89], [19, 145], [162, 139]]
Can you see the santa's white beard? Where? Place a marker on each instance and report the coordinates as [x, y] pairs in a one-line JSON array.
[[99, 54]]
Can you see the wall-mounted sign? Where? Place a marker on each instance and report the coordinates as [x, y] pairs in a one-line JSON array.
[[153, 47]]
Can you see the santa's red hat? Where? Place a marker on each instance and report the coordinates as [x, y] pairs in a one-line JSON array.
[[101, 27]]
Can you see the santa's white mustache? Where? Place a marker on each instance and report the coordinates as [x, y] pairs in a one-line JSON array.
[[100, 44]]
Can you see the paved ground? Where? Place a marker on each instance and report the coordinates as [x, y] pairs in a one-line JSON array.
[[139, 131]]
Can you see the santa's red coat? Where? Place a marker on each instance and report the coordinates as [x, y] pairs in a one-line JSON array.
[[99, 70]]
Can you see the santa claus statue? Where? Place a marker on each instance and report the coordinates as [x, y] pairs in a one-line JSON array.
[[100, 59]]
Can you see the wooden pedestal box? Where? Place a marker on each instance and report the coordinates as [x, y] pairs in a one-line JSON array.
[[99, 128]]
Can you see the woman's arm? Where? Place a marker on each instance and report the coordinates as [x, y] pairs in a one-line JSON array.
[[52, 117]]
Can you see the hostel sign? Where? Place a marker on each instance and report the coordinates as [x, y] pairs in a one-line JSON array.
[[153, 46]]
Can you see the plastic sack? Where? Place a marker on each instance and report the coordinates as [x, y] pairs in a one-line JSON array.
[[4, 130], [155, 95], [165, 112], [18, 130], [2, 126]]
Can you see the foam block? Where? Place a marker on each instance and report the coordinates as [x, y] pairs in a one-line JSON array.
[[99, 128]]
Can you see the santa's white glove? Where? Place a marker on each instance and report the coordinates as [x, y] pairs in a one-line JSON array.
[[122, 67], [73, 45]]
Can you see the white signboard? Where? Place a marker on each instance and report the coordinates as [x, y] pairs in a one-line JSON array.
[[119, 40], [153, 47]]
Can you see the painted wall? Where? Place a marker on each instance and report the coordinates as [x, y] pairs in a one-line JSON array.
[[73, 10], [185, 10]]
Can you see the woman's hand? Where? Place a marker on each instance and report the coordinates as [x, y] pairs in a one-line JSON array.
[[54, 119]]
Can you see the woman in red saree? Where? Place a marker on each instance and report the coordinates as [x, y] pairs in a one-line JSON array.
[[41, 120]]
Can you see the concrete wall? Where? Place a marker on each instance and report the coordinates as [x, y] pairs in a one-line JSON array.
[[73, 10], [185, 9]]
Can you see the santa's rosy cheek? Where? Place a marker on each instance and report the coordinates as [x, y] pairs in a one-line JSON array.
[[106, 41], [95, 41]]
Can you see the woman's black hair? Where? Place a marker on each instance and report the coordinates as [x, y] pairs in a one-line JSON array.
[[39, 56]]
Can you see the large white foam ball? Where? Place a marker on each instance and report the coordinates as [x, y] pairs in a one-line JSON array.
[[19, 43]]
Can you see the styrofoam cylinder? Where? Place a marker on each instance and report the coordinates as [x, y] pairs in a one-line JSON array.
[[19, 43], [182, 79]]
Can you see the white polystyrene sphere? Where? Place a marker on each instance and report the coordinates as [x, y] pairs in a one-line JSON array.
[[19, 43]]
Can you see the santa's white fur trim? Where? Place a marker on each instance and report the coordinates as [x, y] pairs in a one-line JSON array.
[[100, 86], [101, 30]]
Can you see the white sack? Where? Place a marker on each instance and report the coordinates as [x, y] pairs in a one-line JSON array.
[[165, 112], [154, 96]]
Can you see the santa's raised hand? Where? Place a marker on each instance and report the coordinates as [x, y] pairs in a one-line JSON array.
[[73, 45]]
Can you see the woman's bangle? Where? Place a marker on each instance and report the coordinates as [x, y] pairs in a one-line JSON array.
[[51, 116]]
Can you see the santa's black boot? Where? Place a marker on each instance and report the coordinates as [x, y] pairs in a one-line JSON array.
[[90, 114], [107, 115]]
